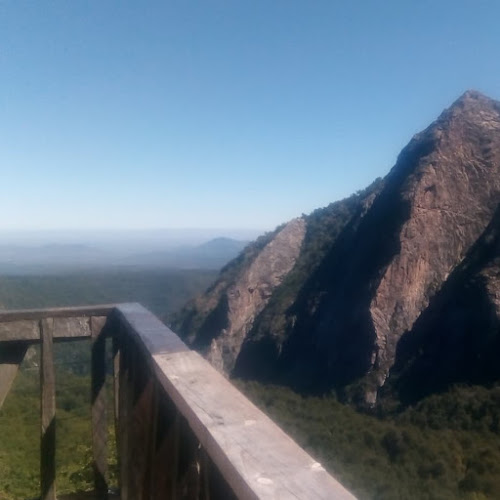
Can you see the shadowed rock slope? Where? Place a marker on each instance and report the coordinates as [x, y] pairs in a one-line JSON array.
[[375, 282]]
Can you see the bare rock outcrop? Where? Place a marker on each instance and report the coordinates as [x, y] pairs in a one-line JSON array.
[[228, 311], [452, 194], [457, 338]]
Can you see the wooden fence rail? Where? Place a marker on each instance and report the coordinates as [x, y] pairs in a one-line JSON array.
[[183, 431]]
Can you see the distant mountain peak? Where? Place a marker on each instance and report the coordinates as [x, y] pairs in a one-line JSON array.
[[472, 103], [471, 117], [474, 95]]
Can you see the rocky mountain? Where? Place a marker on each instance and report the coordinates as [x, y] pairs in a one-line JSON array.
[[395, 290]]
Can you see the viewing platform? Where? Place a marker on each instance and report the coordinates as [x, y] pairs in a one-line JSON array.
[[183, 431]]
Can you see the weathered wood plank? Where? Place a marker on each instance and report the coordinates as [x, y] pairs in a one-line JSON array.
[[55, 312], [71, 328], [140, 474], [141, 420], [116, 383], [11, 356], [253, 454], [26, 329], [98, 403], [175, 452], [48, 413], [124, 406], [205, 475], [165, 450], [154, 337], [98, 325], [149, 486]]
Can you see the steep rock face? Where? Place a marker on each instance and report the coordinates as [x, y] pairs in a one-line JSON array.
[[230, 308], [379, 274], [261, 317], [457, 338], [452, 194], [283, 328]]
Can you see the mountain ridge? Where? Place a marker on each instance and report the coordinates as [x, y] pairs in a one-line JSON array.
[[393, 252]]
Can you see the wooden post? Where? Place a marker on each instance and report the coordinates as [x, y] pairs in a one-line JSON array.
[[116, 381], [115, 346], [11, 356], [141, 409], [98, 401], [174, 471], [124, 404], [205, 475], [149, 486], [165, 448], [48, 412]]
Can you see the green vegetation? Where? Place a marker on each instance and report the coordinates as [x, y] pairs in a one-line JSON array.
[[161, 291], [20, 443], [20, 428], [446, 447]]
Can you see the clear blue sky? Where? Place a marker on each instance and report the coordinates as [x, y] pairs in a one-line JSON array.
[[221, 113]]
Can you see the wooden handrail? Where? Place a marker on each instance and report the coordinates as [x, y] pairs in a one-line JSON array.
[[183, 430], [55, 312]]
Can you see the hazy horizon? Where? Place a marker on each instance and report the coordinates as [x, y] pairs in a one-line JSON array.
[[131, 239]]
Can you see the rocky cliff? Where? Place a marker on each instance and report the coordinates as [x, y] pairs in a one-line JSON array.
[[362, 280], [456, 338], [241, 293]]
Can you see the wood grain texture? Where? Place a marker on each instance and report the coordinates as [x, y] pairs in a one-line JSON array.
[[55, 312], [48, 413], [188, 433], [98, 407], [26, 329], [97, 325], [139, 429], [124, 410], [256, 458], [165, 450], [115, 342], [70, 328]]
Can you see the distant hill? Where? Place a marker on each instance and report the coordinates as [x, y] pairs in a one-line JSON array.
[[50, 258], [210, 255]]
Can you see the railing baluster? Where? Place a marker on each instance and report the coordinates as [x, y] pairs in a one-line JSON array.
[[174, 472], [116, 380], [141, 421], [48, 412], [98, 401], [161, 447], [115, 350], [205, 475], [124, 405], [149, 484]]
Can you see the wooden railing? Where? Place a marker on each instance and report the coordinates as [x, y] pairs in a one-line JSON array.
[[182, 429]]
